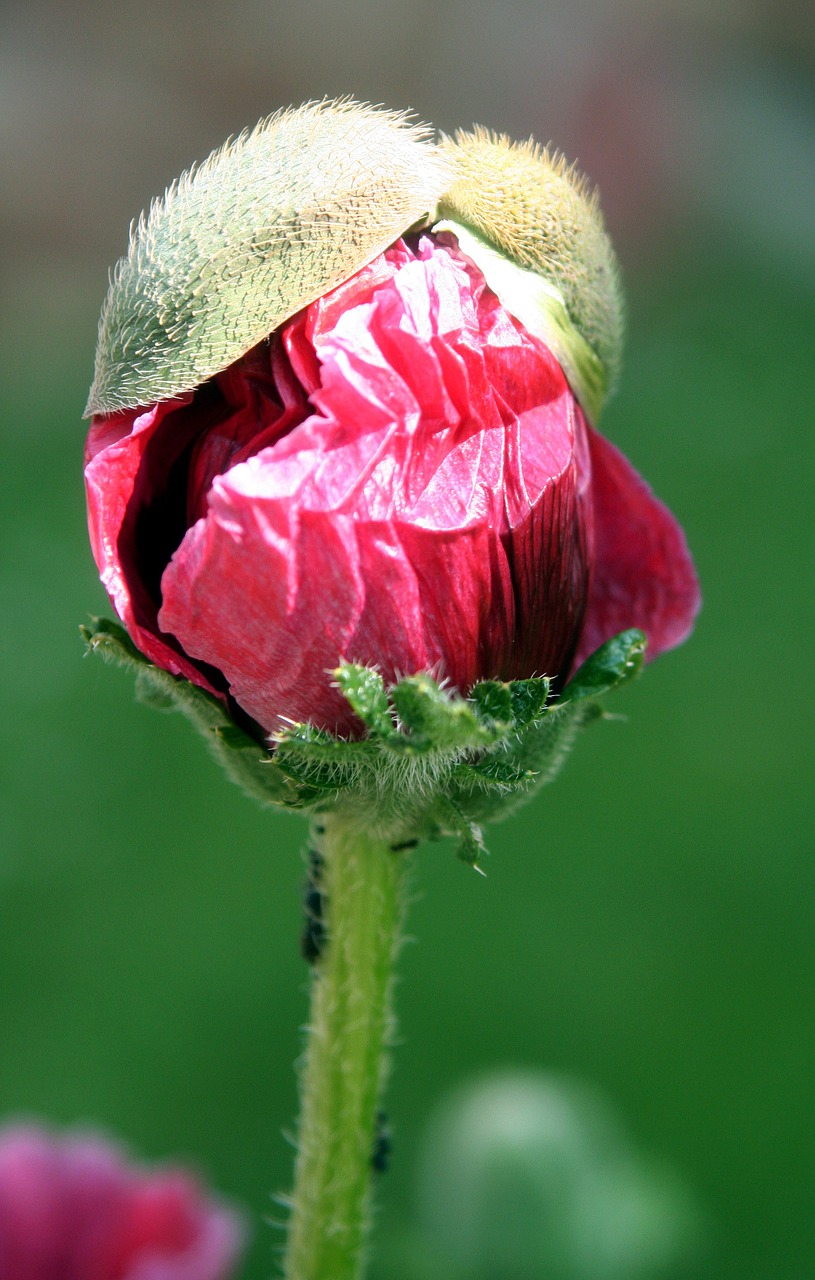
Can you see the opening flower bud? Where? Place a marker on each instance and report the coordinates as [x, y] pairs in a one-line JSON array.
[[399, 475]]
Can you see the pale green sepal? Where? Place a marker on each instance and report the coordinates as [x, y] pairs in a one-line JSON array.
[[267, 224], [540, 307]]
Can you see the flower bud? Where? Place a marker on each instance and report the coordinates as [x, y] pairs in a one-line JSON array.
[[73, 1208], [526, 1175], [397, 471]]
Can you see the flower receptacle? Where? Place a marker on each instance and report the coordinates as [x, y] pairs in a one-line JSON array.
[[428, 762]]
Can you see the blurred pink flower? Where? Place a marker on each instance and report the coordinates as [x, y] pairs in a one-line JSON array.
[[400, 476], [72, 1208]]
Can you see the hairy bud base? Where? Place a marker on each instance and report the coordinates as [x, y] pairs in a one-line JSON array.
[[430, 763]]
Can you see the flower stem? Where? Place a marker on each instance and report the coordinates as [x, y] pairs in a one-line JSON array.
[[344, 1066]]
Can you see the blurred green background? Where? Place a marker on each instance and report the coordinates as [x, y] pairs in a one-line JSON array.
[[646, 926]]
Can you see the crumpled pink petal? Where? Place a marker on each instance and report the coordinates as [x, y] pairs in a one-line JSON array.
[[73, 1209], [404, 523]]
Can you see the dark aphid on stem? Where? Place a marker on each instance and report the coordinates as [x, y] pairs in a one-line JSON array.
[[313, 936], [382, 1144]]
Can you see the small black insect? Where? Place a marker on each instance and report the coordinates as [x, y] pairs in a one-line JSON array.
[[404, 844], [382, 1144], [313, 936]]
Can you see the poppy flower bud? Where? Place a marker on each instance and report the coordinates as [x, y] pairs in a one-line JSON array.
[[524, 1174], [332, 433], [73, 1208]]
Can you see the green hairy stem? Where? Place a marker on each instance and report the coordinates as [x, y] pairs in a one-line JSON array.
[[344, 1069]]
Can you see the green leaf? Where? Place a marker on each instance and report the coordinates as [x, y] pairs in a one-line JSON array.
[[528, 700], [435, 720], [615, 662], [431, 763], [246, 761], [364, 691], [471, 847], [311, 743], [493, 704], [494, 772], [314, 778], [453, 821], [151, 692]]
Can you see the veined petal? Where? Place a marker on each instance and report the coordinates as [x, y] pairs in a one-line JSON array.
[[118, 486], [643, 572]]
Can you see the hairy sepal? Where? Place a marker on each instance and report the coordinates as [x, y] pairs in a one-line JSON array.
[[541, 308], [538, 211], [428, 764], [267, 224]]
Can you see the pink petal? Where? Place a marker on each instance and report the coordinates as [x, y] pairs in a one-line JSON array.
[[170, 1232], [73, 1209], [115, 481], [33, 1213], [643, 572], [404, 523]]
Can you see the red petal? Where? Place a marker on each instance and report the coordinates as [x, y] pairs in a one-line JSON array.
[[114, 473], [403, 525], [73, 1209], [643, 572]]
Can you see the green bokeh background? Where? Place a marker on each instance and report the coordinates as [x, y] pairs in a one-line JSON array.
[[645, 925]]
